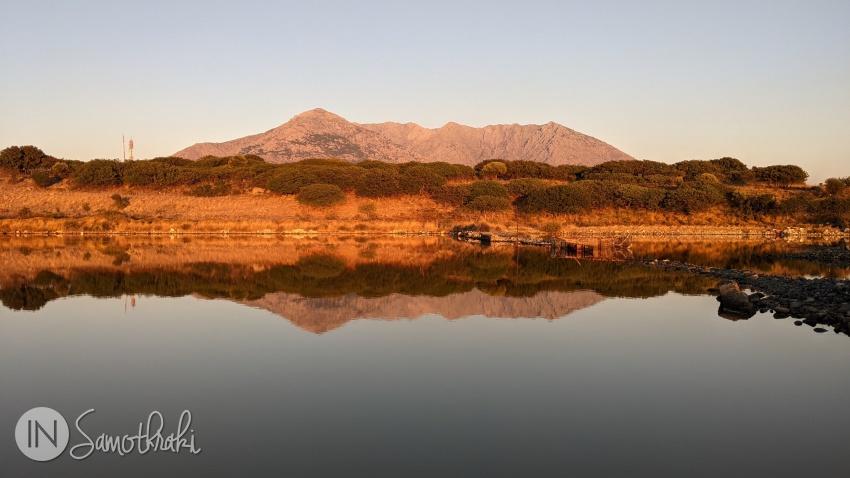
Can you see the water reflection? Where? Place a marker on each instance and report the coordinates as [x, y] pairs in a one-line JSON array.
[[758, 255], [639, 375], [322, 284]]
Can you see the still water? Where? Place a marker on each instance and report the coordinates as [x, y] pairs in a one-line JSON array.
[[422, 357]]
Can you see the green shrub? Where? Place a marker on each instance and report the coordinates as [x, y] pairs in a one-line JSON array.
[[98, 172], [638, 197], [494, 169], [488, 204], [321, 195], [525, 186], [692, 168], [660, 180], [420, 178], [530, 170], [620, 178], [751, 207], [218, 188], [25, 158], [452, 195], [372, 164], [188, 176], [732, 171], [209, 162], [43, 180], [834, 186], [780, 175], [567, 198], [634, 168], [832, 210], [568, 172], [345, 175], [290, 180], [61, 169], [689, 199], [796, 204], [150, 173], [378, 183], [707, 178], [172, 161], [451, 171], [488, 188], [120, 202]]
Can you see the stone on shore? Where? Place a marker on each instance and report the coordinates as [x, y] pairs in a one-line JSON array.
[[732, 300]]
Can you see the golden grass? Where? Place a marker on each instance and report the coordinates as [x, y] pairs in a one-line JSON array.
[[62, 209]]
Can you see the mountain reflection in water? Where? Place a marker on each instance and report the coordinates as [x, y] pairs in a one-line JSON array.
[[320, 284]]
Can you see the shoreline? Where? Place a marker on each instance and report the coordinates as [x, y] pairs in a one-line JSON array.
[[648, 231], [812, 301]]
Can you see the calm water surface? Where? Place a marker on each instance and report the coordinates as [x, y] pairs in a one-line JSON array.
[[423, 358]]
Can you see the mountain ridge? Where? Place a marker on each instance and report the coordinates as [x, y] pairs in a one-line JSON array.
[[319, 133]]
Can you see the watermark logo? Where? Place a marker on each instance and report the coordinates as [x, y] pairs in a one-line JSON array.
[[42, 434]]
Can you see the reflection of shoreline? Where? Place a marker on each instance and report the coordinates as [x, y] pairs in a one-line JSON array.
[[25, 257], [319, 315]]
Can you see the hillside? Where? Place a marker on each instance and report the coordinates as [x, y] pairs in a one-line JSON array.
[[321, 134], [454, 143], [313, 134]]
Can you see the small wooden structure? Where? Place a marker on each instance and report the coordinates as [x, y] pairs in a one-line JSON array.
[[605, 249]]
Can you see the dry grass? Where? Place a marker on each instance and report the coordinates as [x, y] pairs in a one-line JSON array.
[[63, 209]]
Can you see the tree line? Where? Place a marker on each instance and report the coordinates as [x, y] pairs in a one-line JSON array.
[[491, 186]]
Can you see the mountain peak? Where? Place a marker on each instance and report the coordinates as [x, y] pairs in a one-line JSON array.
[[317, 113], [318, 133]]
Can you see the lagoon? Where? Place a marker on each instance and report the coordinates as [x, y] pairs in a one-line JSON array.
[[412, 357]]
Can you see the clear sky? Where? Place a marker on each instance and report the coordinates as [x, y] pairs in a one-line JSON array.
[[767, 82]]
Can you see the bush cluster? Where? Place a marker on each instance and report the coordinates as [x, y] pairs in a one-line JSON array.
[[684, 187], [583, 196], [321, 195]]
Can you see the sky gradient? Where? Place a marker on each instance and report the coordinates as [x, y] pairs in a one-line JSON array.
[[767, 82]]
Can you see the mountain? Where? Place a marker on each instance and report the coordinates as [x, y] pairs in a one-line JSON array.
[[312, 134], [454, 143], [321, 134]]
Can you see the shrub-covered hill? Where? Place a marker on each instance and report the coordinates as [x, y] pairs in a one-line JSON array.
[[725, 185]]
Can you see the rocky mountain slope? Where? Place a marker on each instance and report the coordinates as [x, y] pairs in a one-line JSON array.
[[321, 134]]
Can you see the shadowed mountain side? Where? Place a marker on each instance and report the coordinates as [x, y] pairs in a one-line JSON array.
[[320, 315], [321, 134]]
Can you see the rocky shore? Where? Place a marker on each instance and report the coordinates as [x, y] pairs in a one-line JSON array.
[[818, 302], [839, 255]]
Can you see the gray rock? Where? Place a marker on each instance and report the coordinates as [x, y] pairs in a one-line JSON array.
[[733, 300]]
